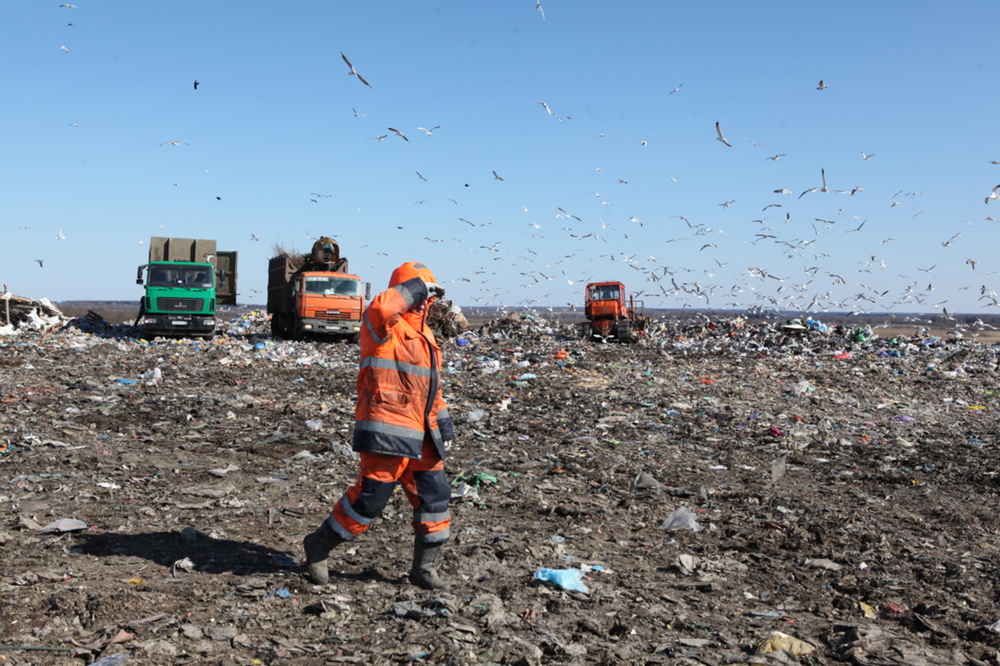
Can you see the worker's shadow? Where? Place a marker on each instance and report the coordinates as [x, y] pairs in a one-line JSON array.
[[206, 553]]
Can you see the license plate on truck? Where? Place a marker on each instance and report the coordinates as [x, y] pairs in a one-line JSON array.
[[179, 323]]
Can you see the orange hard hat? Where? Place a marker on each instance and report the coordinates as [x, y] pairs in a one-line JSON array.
[[410, 270]]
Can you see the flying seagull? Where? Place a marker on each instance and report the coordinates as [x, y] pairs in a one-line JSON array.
[[497, 176], [353, 72], [421, 177], [538, 6], [822, 86], [721, 138], [546, 107], [196, 82], [429, 130], [174, 143], [399, 133], [993, 194]]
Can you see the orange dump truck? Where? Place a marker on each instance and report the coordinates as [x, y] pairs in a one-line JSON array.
[[314, 295]]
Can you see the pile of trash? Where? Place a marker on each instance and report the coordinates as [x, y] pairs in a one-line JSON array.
[[28, 314], [741, 494]]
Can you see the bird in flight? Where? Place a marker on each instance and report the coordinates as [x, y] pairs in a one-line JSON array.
[[61, 235], [41, 266], [421, 177], [174, 143], [64, 49], [196, 82], [378, 138], [546, 107], [993, 194], [497, 176], [68, 6], [865, 156], [538, 6], [399, 133], [254, 237], [775, 158], [429, 131], [356, 114], [353, 71], [718, 130], [676, 89], [822, 86]]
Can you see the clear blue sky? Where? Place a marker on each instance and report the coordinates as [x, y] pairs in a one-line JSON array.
[[635, 90]]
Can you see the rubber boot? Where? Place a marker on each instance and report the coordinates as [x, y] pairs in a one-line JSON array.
[[318, 546], [424, 571]]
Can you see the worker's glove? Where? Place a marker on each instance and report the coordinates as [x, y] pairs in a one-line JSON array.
[[434, 290]]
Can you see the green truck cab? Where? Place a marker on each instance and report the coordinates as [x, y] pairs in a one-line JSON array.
[[186, 280]]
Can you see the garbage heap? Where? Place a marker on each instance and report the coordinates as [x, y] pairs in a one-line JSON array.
[[19, 312]]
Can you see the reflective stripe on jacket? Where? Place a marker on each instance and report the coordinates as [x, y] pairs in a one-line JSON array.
[[399, 381]]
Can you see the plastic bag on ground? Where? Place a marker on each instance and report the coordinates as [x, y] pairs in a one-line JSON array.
[[681, 519], [567, 579]]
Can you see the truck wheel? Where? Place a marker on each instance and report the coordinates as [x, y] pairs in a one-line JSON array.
[[354, 339]]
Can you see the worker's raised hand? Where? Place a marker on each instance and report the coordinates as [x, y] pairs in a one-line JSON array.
[[434, 290]]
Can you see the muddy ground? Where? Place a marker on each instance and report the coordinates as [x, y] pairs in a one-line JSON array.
[[846, 501]]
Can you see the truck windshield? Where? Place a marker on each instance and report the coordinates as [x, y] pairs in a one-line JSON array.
[[604, 292], [329, 286], [180, 276]]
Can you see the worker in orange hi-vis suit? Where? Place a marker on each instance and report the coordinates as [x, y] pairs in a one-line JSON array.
[[401, 427]]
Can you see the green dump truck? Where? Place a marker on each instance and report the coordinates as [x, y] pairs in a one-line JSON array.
[[186, 279]]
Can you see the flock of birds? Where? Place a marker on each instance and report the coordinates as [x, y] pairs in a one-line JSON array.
[[758, 289]]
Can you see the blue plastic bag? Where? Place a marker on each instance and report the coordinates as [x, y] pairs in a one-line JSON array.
[[567, 579]]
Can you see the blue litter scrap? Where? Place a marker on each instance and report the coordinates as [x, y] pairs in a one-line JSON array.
[[567, 579]]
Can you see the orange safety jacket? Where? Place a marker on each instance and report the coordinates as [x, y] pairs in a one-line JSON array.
[[399, 381]]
